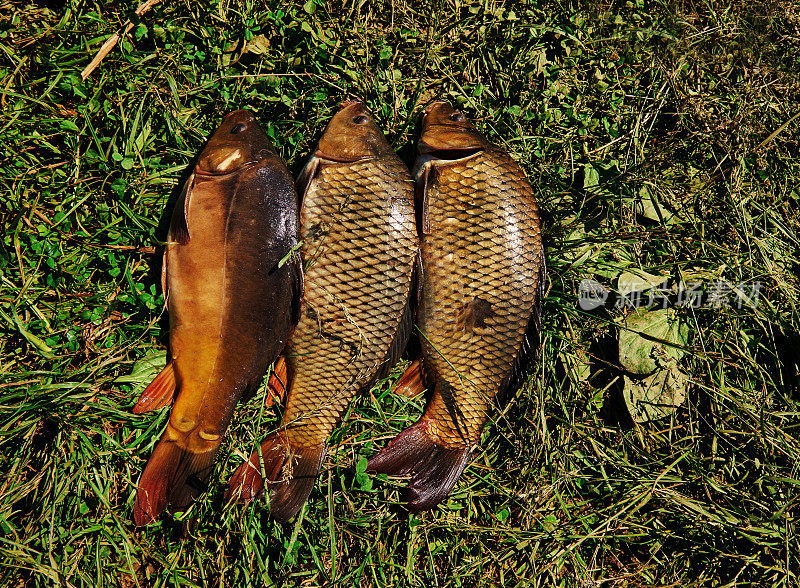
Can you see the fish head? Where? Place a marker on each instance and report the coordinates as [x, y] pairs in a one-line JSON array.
[[447, 132], [238, 142], [351, 135]]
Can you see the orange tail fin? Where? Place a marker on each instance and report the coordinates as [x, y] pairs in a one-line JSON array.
[[287, 495], [159, 393], [174, 476], [278, 380], [410, 383], [434, 469]]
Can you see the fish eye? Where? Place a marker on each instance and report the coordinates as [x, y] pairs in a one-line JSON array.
[[457, 117], [238, 128], [360, 119]]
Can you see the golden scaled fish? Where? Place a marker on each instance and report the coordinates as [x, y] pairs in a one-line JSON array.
[[231, 303], [359, 245], [483, 271]]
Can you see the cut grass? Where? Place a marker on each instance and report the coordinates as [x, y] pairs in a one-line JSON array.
[[604, 108]]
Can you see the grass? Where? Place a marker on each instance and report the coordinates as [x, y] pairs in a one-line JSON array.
[[658, 136]]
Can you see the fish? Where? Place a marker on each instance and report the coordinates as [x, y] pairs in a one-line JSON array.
[[479, 318], [232, 282], [359, 248]]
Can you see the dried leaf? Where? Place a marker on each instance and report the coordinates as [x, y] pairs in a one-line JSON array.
[[258, 45], [656, 396]]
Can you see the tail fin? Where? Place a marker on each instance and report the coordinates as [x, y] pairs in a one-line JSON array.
[[290, 475], [159, 393], [434, 469], [174, 476]]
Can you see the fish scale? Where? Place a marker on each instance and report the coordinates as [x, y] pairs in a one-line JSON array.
[[483, 270], [357, 260]]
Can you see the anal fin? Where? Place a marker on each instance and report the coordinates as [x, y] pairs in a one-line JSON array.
[[410, 383]]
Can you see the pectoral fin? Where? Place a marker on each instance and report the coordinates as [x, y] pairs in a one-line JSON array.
[[424, 177], [164, 288], [159, 393], [309, 172], [179, 225], [298, 288]]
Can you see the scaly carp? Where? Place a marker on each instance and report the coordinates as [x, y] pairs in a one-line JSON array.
[[483, 271], [359, 246], [231, 304]]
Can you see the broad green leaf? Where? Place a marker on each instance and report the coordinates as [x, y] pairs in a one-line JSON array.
[[590, 176], [145, 370], [636, 280], [647, 339], [649, 206], [596, 177], [363, 479], [69, 125]]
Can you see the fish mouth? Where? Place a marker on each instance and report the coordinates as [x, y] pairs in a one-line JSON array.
[[432, 105], [348, 103], [326, 157]]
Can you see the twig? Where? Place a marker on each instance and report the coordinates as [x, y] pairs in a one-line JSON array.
[[114, 39], [777, 131]]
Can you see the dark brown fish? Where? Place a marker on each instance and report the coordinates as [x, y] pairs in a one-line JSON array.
[[359, 249], [483, 272], [231, 304]]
